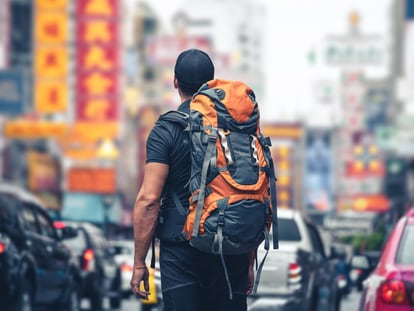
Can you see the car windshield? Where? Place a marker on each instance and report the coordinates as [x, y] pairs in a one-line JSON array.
[[7, 204], [405, 254], [123, 249]]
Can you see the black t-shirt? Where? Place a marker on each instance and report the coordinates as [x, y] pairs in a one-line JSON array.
[[167, 143]]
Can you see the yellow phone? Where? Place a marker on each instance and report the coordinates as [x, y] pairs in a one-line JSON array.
[[152, 298]]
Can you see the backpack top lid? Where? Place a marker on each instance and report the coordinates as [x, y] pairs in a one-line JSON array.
[[233, 100]]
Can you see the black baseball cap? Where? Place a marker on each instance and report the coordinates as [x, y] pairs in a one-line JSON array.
[[194, 67]]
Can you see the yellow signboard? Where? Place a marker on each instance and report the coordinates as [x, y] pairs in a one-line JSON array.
[[28, 129], [51, 27], [52, 4], [51, 62], [51, 96]]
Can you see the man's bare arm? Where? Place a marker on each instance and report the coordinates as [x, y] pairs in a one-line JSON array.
[[147, 207], [145, 216]]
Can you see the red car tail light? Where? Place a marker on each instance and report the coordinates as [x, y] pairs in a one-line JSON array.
[[88, 259], [294, 273], [59, 224], [2, 247], [358, 271], [393, 292]]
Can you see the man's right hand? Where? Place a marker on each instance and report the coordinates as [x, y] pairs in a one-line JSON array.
[[140, 274]]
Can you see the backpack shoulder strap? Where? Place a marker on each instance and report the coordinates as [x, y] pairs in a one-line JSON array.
[[174, 116]]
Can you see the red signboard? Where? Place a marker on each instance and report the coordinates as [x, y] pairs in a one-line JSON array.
[[95, 31], [97, 109], [97, 8], [371, 203], [97, 61], [362, 170], [97, 84], [93, 180], [97, 57]]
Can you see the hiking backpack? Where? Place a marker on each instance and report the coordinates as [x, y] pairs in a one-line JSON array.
[[232, 183]]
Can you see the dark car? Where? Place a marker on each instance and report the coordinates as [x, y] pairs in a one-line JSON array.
[[361, 267], [100, 274], [36, 268]]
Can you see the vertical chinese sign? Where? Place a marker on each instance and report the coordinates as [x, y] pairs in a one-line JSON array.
[[51, 56], [97, 63]]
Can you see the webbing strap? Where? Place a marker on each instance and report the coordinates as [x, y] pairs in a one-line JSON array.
[[211, 146], [217, 246], [153, 253], [210, 93], [177, 202], [226, 274], [259, 269]]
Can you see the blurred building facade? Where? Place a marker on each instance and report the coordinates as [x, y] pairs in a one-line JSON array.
[[82, 83]]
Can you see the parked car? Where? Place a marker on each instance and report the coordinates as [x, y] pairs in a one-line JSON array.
[[36, 269], [391, 285], [124, 255], [299, 271], [100, 274]]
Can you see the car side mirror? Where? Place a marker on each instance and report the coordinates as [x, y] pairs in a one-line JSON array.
[[68, 232]]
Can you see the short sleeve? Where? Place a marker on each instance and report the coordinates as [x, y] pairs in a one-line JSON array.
[[159, 143]]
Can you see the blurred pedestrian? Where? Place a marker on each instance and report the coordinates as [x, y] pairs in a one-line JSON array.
[[191, 280]]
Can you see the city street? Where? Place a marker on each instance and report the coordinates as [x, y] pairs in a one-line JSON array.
[[349, 303], [187, 128]]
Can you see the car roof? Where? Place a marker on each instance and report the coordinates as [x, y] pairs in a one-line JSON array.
[[88, 226], [20, 193], [410, 216], [287, 213]]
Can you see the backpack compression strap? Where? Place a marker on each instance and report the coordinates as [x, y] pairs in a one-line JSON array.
[[266, 143], [211, 145]]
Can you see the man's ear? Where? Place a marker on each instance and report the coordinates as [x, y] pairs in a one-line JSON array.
[[175, 83]]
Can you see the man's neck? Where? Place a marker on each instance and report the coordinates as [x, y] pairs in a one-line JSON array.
[[184, 98]]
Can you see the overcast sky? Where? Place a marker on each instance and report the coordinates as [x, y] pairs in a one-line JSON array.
[[295, 28]]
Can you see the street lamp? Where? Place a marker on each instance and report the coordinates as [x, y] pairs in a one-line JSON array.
[[107, 202], [107, 150]]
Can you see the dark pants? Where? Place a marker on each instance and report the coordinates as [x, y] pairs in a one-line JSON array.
[[195, 281]]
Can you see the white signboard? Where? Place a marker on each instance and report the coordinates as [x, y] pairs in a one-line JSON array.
[[4, 19]]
